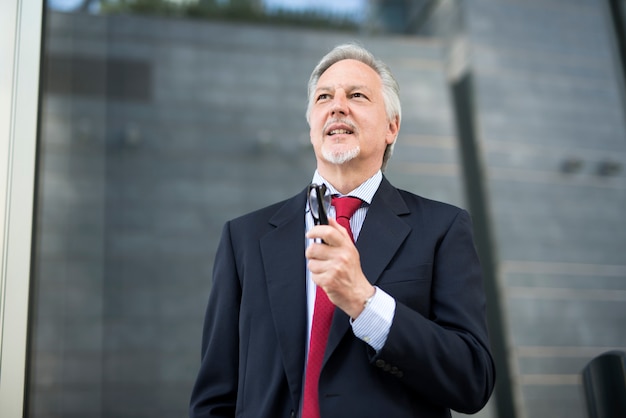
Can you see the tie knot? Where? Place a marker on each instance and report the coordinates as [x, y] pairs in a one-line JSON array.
[[346, 206]]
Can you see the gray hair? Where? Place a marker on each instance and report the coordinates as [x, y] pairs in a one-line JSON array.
[[390, 90]]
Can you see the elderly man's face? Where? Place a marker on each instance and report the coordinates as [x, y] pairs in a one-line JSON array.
[[348, 122]]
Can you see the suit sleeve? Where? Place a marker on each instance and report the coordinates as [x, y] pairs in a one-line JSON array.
[[215, 390], [445, 358]]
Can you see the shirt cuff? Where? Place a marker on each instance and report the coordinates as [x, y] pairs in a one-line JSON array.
[[373, 324]]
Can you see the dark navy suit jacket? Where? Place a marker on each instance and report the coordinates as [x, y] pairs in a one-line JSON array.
[[436, 356]]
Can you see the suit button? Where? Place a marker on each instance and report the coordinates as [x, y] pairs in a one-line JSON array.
[[387, 367], [394, 370], [400, 374], [380, 363]]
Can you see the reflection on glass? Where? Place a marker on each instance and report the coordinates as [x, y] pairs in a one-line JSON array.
[[319, 200]]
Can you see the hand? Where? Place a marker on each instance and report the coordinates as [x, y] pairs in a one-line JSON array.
[[335, 266]]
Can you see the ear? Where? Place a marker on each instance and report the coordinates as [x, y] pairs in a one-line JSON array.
[[392, 130]]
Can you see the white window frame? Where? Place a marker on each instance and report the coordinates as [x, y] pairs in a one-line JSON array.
[[20, 50]]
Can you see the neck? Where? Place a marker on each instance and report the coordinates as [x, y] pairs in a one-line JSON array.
[[343, 177]]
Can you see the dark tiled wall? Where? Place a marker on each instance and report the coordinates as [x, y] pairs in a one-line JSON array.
[[549, 92]]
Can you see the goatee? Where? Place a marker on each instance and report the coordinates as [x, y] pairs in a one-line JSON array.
[[341, 157]]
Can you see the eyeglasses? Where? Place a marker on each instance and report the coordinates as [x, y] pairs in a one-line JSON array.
[[319, 199]]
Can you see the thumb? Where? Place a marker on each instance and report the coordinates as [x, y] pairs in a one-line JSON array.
[[333, 222]]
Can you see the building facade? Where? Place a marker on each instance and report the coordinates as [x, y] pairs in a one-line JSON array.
[[143, 134]]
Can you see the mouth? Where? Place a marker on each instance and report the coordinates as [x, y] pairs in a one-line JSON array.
[[339, 132], [339, 128]]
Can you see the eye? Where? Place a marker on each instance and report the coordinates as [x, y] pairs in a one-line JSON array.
[[359, 95], [323, 96]]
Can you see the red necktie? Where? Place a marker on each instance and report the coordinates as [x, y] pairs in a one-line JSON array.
[[322, 318], [344, 209]]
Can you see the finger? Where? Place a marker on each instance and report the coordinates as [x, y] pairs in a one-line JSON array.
[[333, 222], [317, 267], [332, 234], [327, 233], [317, 232], [343, 232], [315, 251]]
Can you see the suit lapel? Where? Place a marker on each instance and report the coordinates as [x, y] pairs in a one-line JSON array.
[[383, 231], [284, 266], [381, 236]]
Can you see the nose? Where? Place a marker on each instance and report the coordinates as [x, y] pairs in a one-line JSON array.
[[340, 104]]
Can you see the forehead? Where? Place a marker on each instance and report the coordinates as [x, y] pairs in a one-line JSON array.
[[349, 72]]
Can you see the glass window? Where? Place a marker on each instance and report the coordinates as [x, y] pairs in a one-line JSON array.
[[160, 121]]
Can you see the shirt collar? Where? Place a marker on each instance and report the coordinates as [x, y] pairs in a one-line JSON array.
[[365, 191]]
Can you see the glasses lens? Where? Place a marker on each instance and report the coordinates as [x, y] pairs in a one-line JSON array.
[[314, 202]]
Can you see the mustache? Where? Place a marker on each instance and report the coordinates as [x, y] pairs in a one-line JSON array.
[[341, 121]]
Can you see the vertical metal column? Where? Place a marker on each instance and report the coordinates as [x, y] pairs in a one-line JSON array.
[[463, 102]]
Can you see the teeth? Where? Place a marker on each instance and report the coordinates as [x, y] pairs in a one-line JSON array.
[[339, 131]]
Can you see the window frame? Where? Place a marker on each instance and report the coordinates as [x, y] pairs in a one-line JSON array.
[[20, 53]]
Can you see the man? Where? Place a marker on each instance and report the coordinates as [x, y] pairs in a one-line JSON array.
[[406, 335]]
